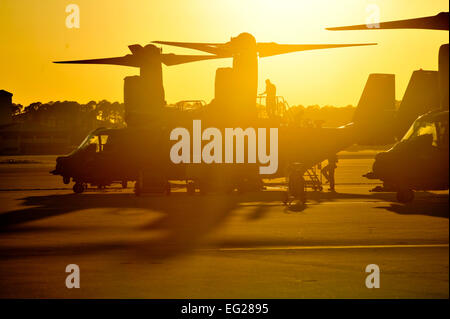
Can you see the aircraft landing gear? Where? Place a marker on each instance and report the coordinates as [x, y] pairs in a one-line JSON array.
[[296, 186], [405, 195], [66, 180], [78, 188]]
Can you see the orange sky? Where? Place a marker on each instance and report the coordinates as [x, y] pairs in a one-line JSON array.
[[34, 34]]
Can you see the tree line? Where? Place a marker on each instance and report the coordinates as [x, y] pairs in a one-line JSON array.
[[108, 112], [113, 113]]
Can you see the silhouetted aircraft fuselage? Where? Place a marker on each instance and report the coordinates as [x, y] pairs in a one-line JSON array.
[[143, 147], [116, 155], [420, 161]]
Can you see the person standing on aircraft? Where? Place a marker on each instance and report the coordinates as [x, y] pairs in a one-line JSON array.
[[328, 171], [271, 98]]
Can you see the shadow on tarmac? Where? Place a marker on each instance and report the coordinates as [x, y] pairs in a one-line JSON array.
[[425, 203], [185, 219], [180, 208]]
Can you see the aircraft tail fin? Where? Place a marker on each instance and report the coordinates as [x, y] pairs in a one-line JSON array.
[[443, 75], [376, 109], [421, 96]]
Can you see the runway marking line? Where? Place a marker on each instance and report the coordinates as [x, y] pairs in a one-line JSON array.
[[330, 247]]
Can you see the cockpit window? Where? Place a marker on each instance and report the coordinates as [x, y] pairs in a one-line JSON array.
[[103, 139], [98, 140], [421, 128], [94, 141], [90, 139]]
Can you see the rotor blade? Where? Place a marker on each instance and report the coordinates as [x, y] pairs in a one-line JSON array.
[[270, 49], [174, 59], [437, 22], [213, 48], [126, 60]]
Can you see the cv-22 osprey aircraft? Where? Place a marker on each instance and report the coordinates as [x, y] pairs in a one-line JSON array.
[[420, 160], [142, 150]]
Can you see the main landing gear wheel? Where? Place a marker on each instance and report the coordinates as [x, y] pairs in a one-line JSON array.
[[405, 195], [296, 186], [78, 188]]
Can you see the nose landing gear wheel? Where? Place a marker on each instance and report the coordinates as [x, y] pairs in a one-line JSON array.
[[78, 188]]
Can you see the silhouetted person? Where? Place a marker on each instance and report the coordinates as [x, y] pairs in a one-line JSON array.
[[271, 98], [328, 171]]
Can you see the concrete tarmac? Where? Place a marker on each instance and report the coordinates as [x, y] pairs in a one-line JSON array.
[[217, 246]]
